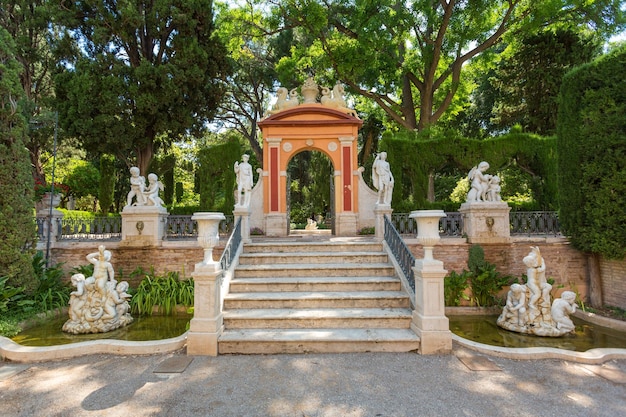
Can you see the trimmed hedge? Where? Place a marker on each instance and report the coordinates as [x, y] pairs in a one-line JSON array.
[[591, 133]]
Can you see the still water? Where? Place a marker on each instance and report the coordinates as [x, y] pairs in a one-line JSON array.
[[49, 333], [483, 329]]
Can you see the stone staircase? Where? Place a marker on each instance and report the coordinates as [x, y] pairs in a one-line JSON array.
[[316, 296]]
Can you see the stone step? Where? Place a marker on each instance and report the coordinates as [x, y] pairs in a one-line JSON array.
[[309, 247], [284, 284], [311, 270], [273, 341], [312, 258], [277, 318], [335, 299]]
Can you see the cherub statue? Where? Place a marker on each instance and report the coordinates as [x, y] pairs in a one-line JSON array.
[[562, 308], [479, 183], [152, 193], [137, 185]]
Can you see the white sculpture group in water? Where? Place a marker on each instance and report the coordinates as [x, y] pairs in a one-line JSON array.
[[144, 195], [245, 181], [528, 308], [334, 98], [483, 187], [382, 178], [99, 303]]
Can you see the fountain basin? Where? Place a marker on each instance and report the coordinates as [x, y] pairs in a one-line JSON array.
[[46, 341], [593, 343]]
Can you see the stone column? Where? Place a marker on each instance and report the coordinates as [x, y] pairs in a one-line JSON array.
[[244, 213], [207, 323], [429, 320], [380, 211]]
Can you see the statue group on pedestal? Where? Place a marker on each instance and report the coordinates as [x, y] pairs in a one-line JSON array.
[[99, 303], [483, 187], [528, 308], [144, 195]]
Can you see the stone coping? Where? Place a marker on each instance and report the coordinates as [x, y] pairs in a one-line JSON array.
[[592, 356], [11, 351]]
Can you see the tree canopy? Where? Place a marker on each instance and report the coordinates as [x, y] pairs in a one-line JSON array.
[[409, 57], [135, 74]]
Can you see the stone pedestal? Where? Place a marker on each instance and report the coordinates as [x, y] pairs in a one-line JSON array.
[[429, 320], [207, 323], [486, 222], [276, 225], [380, 211], [143, 225], [345, 224], [244, 213]]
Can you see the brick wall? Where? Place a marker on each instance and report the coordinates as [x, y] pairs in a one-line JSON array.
[[565, 264], [179, 257], [613, 282]]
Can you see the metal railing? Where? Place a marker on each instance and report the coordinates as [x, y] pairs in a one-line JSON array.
[[230, 250], [89, 228], [451, 225], [183, 227], [400, 251], [534, 223]]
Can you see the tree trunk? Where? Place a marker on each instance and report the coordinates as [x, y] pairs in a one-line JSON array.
[[431, 187], [595, 280], [144, 157]]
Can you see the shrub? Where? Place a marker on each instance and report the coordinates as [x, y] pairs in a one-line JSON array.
[[164, 292], [454, 286]]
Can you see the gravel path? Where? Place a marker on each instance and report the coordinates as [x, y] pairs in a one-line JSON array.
[[312, 385]]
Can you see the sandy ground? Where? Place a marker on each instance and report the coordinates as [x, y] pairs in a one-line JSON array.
[[312, 385]]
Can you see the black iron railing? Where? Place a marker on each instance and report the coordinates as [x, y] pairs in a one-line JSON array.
[[183, 227], [89, 228], [400, 251], [451, 225], [534, 223], [230, 250]]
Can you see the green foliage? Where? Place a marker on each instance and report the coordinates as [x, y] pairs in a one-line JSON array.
[[52, 292], [119, 95], [215, 176], [485, 282], [164, 292], [7, 293], [454, 286], [310, 174], [534, 155], [17, 228], [592, 156], [82, 179]]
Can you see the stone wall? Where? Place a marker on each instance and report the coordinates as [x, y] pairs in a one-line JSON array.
[[613, 282]]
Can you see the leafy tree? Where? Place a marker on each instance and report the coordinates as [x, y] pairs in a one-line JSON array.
[[17, 186], [134, 71], [27, 22], [409, 57], [527, 83], [106, 186]]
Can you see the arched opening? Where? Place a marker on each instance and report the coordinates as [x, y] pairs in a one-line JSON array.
[[310, 190]]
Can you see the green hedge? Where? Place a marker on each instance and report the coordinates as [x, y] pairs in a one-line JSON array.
[[414, 157], [591, 131]]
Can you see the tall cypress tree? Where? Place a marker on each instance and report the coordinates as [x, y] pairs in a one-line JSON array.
[[17, 228]]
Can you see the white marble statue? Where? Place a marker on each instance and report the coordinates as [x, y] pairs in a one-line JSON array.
[[137, 186], [528, 309], [99, 304], [286, 100], [151, 194], [493, 189], [479, 183], [336, 100], [245, 181], [382, 178]]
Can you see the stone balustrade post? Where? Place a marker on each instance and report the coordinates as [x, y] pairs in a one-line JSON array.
[[429, 320], [380, 211], [207, 323], [244, 213]]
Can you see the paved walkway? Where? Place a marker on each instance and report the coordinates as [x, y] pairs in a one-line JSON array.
[[312, 385]]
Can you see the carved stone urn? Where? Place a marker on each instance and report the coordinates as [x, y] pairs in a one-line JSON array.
[[310, 91], [208, 233], [428, 229]]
